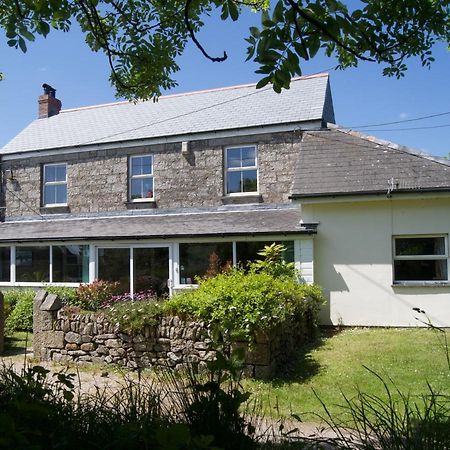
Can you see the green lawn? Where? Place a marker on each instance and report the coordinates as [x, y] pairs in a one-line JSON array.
[[17, 343], [334, 364]]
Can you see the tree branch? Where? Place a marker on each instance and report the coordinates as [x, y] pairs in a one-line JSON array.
[[321, 27], [195, 40]]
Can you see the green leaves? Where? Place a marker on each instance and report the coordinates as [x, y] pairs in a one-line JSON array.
[[142, 39]]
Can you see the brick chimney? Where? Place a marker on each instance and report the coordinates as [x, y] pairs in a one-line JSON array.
[[49, 105]]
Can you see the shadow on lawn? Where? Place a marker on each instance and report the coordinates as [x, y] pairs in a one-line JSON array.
[[303, 365], [15, 345]]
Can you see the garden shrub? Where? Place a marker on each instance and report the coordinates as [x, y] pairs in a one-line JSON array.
[[20, 305], [245, 302], [133, 315], [67, 295], [91, 296]]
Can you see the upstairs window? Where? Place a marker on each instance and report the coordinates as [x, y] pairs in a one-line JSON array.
[[420, 259], [55, 184], [241, 170], [141, 178]]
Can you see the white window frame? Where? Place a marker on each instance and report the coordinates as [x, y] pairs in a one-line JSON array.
[[396, 257], [241, 169], [138, 177], [53, 183]]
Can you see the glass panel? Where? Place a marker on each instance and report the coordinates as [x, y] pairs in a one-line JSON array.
[[147, 165], [233, 157], [142, 188], [196, 260], [60, 172], [248, 157], [49, 195], [420, 246], [248, 251], [70, 263], [233, 182], [49, 173], [114, 265], [5, 254], [151, 269], [32, 264], [249, 181], [61, 193], [420, 270], [141, 165]]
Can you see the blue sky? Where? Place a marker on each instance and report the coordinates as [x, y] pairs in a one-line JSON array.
[[362, 96]]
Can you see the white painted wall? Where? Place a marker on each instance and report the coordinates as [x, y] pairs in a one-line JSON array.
[[353, 259]]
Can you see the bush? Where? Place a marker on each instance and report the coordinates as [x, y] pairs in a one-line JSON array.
[[245, 302], [67, 295], [91, 296], [134, 315], [20, 315]]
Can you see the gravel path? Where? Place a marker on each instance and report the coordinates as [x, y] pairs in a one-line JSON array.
[[90, 379]]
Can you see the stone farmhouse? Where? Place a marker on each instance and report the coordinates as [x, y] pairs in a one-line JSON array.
[[151, 194]]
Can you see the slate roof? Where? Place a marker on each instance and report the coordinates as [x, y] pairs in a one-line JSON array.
[[341, 162], [238, 107], [220, 223]]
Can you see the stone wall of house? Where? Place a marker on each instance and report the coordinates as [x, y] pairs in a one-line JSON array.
[[63, 337], [97, 180]]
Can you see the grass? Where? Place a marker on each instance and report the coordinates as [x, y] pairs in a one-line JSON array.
[[17, 343], [334, 365]]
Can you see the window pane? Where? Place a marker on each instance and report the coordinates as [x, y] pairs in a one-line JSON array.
[[249, 181], [233, 157], [248, 251], [233, 182], [61, 193], [49, 173], [141, 165], [5, 253], [60, 172], [32, 264], [198, 259], [114, 265], [151, 269], [420, 246], [420, 270], [70, 263], [248, 157], [49, 195], [142, 188]]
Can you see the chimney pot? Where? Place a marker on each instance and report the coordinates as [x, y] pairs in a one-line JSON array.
[[49, 105]]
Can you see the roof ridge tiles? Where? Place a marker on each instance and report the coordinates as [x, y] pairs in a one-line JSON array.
[[389, 144]]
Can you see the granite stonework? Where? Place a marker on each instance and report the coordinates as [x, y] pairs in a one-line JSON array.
[[98, 180], [66, 337]]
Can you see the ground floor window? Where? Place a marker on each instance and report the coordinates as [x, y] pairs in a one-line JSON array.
[[113, 264], [151, 270], [200, 259], [33, 264], [70, 263], [248, 251], [5, 265], [137, 267], [420, 259]]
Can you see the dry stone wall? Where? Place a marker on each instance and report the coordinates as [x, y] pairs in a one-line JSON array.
[[63, 336]]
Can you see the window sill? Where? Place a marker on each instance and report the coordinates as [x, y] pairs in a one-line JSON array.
[[241, 199], [146, 204], [63, 209], [421, 284]]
